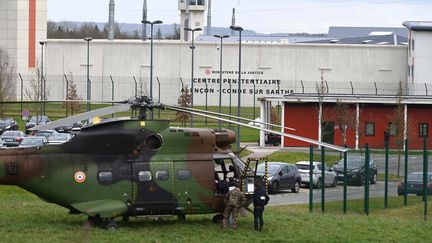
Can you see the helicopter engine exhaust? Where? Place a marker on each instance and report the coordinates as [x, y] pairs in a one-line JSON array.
[[224, 138]]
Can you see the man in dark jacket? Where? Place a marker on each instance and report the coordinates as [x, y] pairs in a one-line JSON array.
[[260, 199]]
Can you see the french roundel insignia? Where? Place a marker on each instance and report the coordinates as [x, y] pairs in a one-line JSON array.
[[80, 177]]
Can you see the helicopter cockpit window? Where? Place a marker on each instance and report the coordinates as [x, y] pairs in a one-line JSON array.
[[162, 175], [184, 174], [154, 142], [144, 176], [105, 176], [224, 169]]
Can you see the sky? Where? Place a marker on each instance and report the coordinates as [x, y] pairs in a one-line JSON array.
[[264, 16]]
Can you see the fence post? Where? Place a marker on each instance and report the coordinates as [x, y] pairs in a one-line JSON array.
[[159, 92], [67, 94], [311, 178], [386, 144], [425, 177], [345, 184], [406, 174], [22, 85], [112, 93], [366, 181], [322, 179]]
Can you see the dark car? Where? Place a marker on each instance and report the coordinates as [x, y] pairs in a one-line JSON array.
[[32, 141], [12, 138], [415, 184], [36, 121], [271, 138], [68, 128], [281, 176], [356, 170], [8, 124]]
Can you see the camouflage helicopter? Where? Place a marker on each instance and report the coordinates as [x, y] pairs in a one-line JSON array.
[[126, 167]]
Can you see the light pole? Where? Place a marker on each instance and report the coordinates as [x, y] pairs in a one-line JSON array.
[[88, 39], [192, 47], [239, 29], [221, 37], [42, 81], [151, 56]]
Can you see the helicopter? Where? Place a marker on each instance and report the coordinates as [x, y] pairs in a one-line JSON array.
[[130, 167]]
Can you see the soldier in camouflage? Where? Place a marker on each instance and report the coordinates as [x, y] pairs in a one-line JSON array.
[[234, 200]]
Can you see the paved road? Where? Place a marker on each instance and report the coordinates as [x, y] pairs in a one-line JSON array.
[[331, 194]]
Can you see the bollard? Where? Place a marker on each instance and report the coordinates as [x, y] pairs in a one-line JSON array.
[[366, 181], [311, 178], [322, 179]]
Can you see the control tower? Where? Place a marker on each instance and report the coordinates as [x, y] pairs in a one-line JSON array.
[[191, 16]]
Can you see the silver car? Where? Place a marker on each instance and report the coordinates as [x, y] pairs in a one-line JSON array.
[[304, 167]]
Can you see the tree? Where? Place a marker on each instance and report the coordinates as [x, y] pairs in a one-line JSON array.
[[274, 117], [34, 93], [184, 100], [345, 119], [321, 89], [159, 34], [7, 77], [397, 126], [72, 94], [176, 35]]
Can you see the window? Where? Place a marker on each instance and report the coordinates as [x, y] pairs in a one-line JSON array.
[[412, 45], [184, 174], [423, 129], [393, 129], [144, 176], [162, 175], [105, 176], [370, 129], [409, 71]]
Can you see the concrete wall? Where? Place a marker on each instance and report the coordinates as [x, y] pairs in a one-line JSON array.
[[273, 67]]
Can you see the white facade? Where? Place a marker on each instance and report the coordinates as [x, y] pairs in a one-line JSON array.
[[420, 57], [276, 69]]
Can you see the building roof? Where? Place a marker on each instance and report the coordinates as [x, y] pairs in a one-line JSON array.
[[418, 25], [352, 32], [263, 38], [391, 39]]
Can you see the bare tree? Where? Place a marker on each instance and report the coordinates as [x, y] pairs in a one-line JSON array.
[[7, 77], [397, 126], [274, 117], [345, 119], [34, 93], [321, 89], [184, 100], [72, 94]]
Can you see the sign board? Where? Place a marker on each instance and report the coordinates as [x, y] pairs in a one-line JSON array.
[[25, 114]]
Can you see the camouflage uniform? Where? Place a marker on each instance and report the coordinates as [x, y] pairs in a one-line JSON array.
[[233, 201]]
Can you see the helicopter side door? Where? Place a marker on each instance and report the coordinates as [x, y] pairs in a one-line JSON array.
[[153, 183]]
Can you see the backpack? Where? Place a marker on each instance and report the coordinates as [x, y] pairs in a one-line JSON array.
[[234, 199]]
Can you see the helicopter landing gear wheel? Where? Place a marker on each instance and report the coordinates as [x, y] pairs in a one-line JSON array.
[[181, 216], [110, 224], [217, 219], [95, 221]]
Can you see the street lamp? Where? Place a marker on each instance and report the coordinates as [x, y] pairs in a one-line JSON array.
[[192, 47], [88, 39], [221, 37], [42, 81], [151, 55], [239, 29]]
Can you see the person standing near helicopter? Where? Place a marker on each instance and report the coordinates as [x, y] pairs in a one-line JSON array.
[[234, 200], [260, 199]]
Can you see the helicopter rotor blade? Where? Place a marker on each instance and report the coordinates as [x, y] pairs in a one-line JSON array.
[[83, 116], [296, 137], [241, 118]]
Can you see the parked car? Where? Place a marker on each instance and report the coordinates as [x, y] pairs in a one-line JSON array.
[[45, 133], [356, 170], [271, 138], [59, 138], [68, 128], [281, 175], [32, 141], [12, 138], [36, 121], [7, 124], [329, 174], [415, 184]]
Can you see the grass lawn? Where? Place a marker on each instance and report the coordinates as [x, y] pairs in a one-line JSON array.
[[26, 218], [293, 157]]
